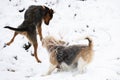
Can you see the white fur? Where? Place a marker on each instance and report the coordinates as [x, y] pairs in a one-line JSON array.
[[65, 67], [81, 65]]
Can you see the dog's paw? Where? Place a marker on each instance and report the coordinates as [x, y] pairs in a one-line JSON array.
[[43, 75], [84, 70], [5, 45], [76, 74], [32, 54], [39, 61], [27, 46]]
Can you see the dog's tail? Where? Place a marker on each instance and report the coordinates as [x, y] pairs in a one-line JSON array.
[[90, 41], [16, 29]]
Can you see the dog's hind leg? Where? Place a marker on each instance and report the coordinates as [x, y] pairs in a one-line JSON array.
[[81, 65], [15, 34]]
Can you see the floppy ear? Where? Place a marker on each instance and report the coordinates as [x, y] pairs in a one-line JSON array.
[[62, 42], [51, 11], [43, 10]]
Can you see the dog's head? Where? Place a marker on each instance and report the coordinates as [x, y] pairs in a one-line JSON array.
[[49, 40], [48, 15]]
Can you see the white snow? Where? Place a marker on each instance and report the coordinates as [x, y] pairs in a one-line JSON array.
[[69, 23]]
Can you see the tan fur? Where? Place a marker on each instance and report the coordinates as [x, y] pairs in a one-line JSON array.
[[49, 40], [53, 59], [85, 54], [34, 16]]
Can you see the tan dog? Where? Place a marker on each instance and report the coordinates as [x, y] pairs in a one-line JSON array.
[[68, 55]]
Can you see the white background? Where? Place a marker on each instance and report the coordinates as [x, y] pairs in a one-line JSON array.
[[69, 24]]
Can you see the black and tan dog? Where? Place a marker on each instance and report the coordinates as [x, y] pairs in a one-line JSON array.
[[61, 55], [33, 18]]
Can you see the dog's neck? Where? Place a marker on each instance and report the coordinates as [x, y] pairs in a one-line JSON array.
[[51, 48]]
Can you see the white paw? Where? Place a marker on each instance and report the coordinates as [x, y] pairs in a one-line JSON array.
[[43, 75]]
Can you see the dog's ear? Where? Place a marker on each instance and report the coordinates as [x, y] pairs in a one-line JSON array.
[[51, 11], [43, 10], [62, 42]]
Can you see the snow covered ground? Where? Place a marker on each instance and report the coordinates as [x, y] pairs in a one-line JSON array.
[[73, 19]]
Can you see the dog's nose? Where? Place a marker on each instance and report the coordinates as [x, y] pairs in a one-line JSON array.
[[47, 23]]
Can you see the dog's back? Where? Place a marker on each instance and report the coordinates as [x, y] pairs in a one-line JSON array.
[[68, 54], [34, 14]]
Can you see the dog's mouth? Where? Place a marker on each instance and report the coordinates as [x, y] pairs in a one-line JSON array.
[[47, 23], [47, 20]]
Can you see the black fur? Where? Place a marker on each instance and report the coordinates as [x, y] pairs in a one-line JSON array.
[[36, 13], [21, 10], [33, 18], [27, 46], [15, 29], [67, 54]]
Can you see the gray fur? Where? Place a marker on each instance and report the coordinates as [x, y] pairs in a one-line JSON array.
[[67, 54]]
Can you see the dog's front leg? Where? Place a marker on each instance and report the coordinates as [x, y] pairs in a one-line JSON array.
[[50, 70], [39, 28], [35, 52]]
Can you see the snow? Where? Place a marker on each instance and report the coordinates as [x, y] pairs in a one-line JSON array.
[[72, 20]]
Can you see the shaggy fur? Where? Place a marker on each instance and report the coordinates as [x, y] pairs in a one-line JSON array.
[[33, 18], [69, 55]]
